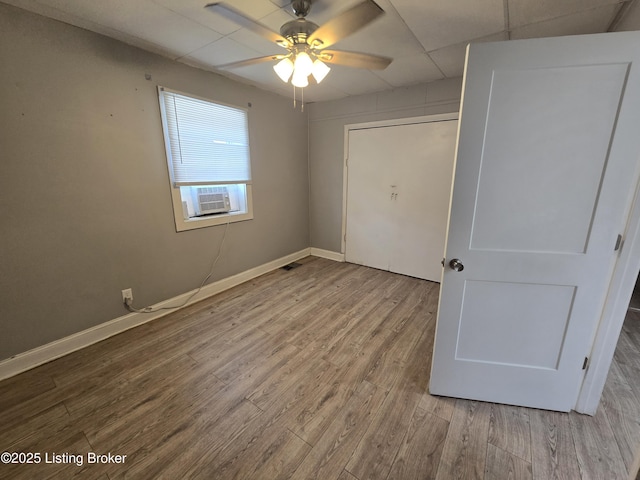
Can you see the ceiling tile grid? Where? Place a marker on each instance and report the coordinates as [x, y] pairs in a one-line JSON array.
[[427, 39], [583, 22], [439, 23], [451, 59], [410, 70], [524, 12], [631, 19]]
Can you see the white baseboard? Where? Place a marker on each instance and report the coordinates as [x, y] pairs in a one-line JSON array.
[[32, 358], [318, 252]]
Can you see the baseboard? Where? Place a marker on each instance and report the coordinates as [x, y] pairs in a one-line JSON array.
[[59, 348], [318, 252]]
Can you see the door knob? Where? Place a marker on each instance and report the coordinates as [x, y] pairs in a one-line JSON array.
[[456, 265]]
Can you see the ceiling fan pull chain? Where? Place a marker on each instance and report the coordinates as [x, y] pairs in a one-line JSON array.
[[302, 100], [294, 96]]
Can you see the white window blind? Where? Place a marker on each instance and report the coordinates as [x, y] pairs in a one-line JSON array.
[[207, 143]]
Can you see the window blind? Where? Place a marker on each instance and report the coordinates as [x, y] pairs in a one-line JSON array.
[[207, 143]]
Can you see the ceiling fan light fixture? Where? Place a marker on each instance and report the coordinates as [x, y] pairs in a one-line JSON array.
[[284, 69], [303, 65], [320, 70], [299, 79]]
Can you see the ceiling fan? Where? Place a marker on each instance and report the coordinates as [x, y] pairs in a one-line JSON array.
[[306, 42]]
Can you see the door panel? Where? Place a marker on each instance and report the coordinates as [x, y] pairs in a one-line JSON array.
[[583, 101], [546, 168], [535, 340]]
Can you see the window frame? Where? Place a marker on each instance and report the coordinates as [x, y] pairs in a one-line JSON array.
[[183, 224]]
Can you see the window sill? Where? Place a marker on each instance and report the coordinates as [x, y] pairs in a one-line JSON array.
[[210, 221], [192, 223]]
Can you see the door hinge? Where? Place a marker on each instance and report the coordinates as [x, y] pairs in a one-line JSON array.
[[585, 364], [618, 243]]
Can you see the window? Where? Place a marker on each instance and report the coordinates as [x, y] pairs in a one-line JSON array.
[[207, 146]]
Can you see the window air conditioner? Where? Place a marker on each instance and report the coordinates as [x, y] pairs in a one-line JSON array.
[[208, 200]]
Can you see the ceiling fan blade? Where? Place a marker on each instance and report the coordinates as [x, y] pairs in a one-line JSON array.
[[345, 24], [353, 59], [251, 61], [239, 18]]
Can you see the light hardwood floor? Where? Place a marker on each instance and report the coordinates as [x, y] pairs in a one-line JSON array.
[[317, 372]]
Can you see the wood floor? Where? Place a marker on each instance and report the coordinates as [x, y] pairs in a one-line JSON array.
[[319, 372]]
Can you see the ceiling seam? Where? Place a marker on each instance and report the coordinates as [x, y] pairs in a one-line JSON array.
[[409, 29], [466, 42], [564, 15], [507, 25], [227, 35], [622, 12], [437, 66], [381, 79]]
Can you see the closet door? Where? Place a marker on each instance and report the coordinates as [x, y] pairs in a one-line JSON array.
[[399, 184], [370, 193]]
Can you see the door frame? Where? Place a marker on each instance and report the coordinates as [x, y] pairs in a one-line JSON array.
[[622, 282], [377, 124]]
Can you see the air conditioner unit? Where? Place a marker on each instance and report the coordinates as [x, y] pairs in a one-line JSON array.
[[208, 200]]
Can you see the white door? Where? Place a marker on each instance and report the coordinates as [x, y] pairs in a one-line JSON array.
[[398, 192], [546, 168]]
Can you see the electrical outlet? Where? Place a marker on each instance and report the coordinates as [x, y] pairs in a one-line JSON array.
[[127, 294]]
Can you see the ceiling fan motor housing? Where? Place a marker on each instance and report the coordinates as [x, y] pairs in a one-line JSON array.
[[297, 31]]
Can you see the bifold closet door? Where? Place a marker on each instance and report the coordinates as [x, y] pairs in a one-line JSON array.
[[398, 190]]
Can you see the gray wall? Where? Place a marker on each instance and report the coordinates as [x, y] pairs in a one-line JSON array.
[[85, 208], [326, 144]]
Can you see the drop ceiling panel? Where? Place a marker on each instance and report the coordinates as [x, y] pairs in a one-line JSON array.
[[194, 10], [276, 19], [631, 20], [597, 19], [410, 71], [388, 36], [256, 42], [261, 75], [450, 60], [254, 9], [352, 80], [319, 93], [145, 20], [223, 51], [439, 23], [324, 10], [281, 3], [522, 12]]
